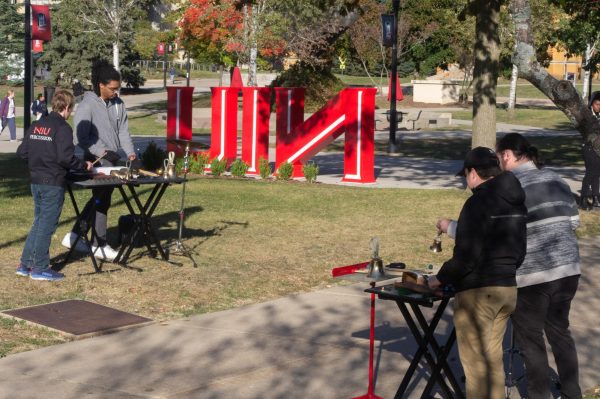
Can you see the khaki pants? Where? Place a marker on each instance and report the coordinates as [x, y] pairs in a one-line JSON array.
[[480, 317]]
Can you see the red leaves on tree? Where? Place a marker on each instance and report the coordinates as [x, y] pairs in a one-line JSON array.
[[215, 23]]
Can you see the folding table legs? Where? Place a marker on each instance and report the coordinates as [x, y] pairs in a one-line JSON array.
[[427, 342], [143, 225]]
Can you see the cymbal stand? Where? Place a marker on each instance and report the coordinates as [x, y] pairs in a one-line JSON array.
[[180, 248]]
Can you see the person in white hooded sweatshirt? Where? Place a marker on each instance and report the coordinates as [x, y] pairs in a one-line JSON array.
[[101, 130]]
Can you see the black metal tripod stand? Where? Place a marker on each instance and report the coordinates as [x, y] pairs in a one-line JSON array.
[[511, 382], [179, 248]]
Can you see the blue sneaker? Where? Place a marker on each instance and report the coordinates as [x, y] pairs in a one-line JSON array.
[[46, 275], [23, 271]]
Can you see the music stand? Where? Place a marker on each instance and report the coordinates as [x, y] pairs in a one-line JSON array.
[[180, 249]]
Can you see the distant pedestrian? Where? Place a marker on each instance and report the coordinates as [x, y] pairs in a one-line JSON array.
[[78, 90], [590, 186], [38, 107], [172, 73], [8, 112]]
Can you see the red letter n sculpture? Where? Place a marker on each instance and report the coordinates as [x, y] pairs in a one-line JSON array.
[[351, 111]]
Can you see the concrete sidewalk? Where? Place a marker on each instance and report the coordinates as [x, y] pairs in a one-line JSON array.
[[308, 345]]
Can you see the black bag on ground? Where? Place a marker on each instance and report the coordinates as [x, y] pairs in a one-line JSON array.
[[127, 225]]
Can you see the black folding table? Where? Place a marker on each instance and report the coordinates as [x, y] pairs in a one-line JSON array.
[[435, 354], [141, 214]]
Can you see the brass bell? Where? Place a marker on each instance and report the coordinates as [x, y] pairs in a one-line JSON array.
[[436, 246], [375, 270]]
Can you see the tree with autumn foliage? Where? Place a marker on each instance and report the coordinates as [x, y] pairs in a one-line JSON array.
[[210, 30], [229, 32]]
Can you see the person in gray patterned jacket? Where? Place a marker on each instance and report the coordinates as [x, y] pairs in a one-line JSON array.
[[548, 278]]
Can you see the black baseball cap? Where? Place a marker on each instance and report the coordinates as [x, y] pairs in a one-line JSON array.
[[480, 158]]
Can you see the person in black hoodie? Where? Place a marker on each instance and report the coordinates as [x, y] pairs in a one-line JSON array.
[[490, 246], [48, 149]]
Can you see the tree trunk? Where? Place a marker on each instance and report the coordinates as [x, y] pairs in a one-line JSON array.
[[485, 73], [512, 95], [561, 92], [253, 34], [116, 55], [252, 66], [586, 73]]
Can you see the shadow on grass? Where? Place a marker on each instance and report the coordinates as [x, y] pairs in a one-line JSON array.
[[563, 151], [14, 177]]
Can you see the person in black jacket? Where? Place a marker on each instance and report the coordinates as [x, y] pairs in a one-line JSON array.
[[490, 246], [48, 149]]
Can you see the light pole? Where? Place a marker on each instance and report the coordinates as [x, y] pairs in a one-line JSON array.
[[28, 83], [392, 145], [165, 67]]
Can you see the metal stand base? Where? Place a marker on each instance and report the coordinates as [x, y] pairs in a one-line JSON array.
[[180, 249], [511, 381]]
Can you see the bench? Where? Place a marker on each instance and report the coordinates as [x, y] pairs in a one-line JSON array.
[[419, 119], [406, 120]]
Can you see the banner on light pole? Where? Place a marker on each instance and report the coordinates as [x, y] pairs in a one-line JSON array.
[[40, 23]]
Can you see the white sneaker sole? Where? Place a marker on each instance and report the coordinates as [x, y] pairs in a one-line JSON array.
[[99, 254], [66, 242]]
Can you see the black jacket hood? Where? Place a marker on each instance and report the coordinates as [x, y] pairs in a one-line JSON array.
[[506, 186]]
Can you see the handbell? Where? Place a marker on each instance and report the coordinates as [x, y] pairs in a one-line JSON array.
[[375, 270], [436, 246]]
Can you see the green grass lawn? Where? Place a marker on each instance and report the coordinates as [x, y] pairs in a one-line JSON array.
[[240, 230], [159, 74], [145, 124], [365, 80], [538, 117], [527, 90], [554, 151]]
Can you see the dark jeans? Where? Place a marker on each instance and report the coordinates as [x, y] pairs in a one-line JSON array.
[[12, 127], [544, 308], [48, 202], [591, 180], [100, 201]]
